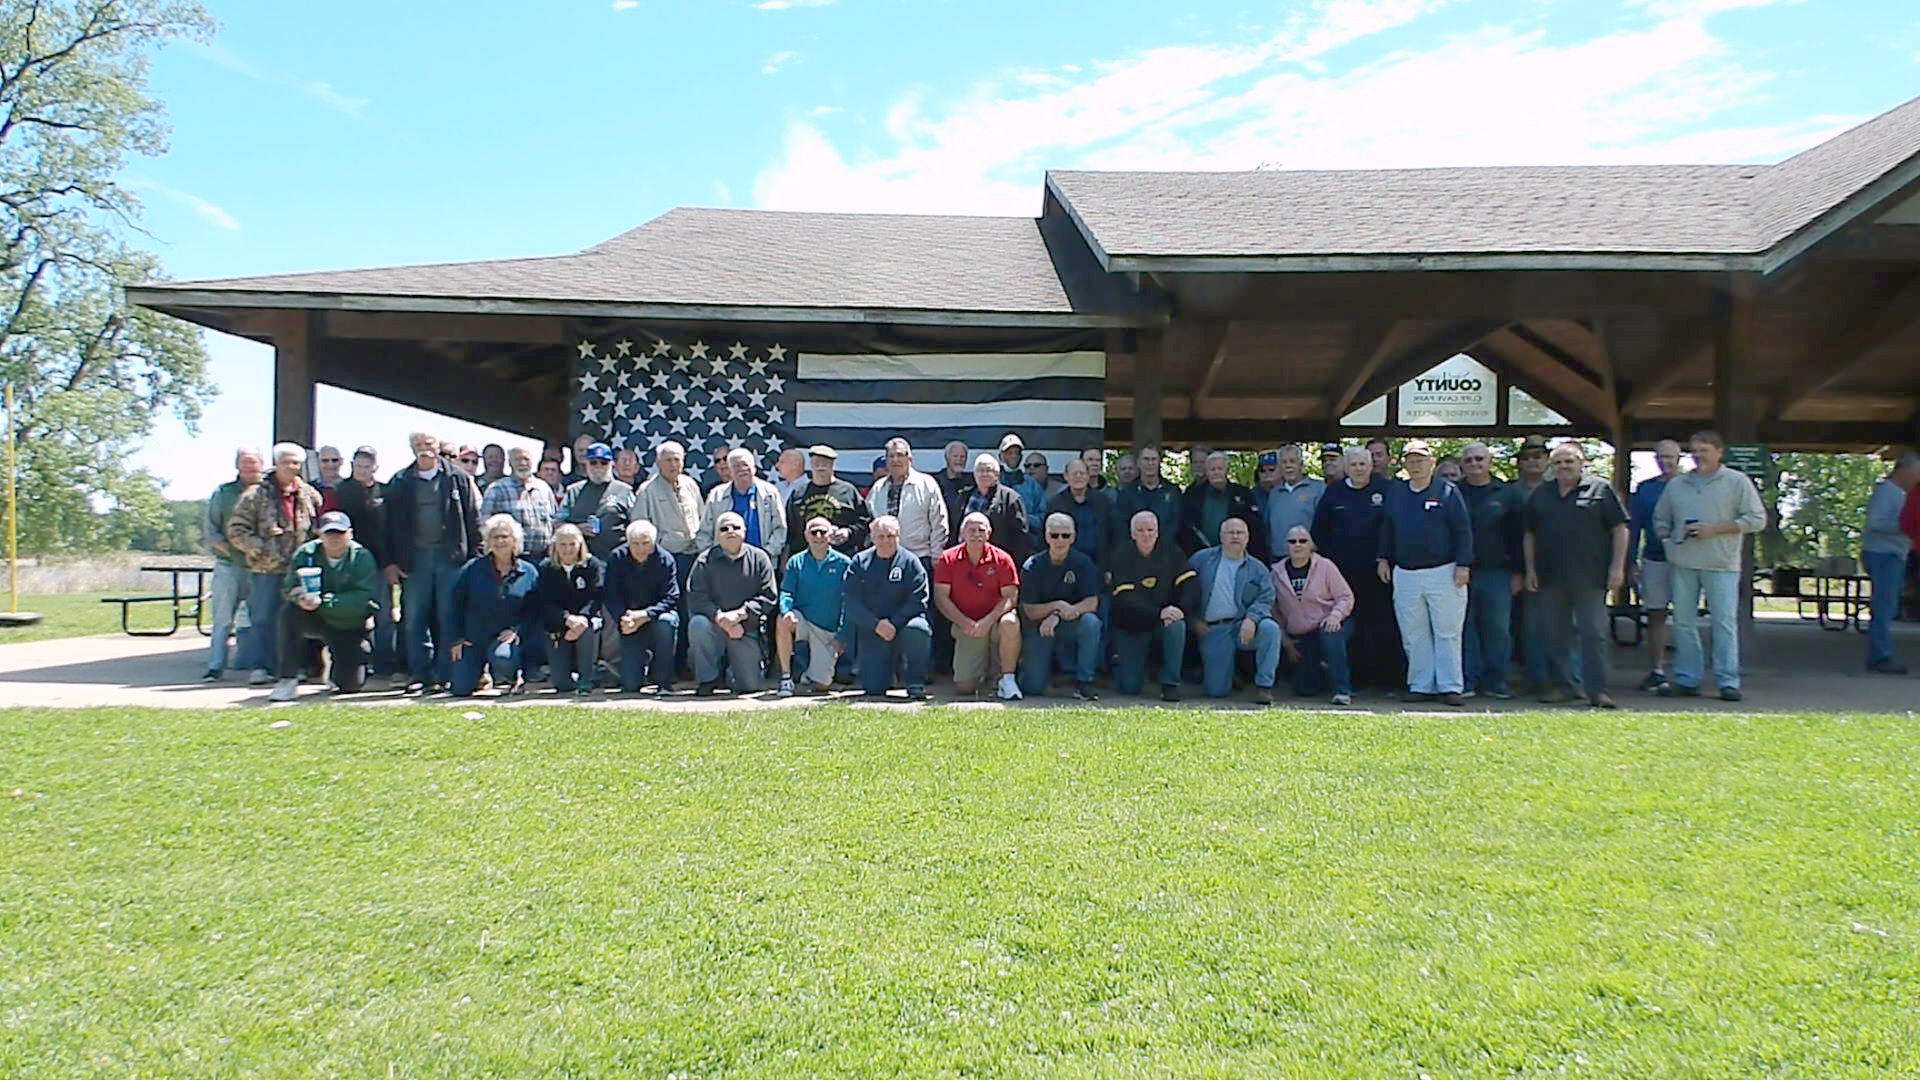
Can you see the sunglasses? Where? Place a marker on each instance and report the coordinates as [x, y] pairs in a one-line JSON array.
[[1059, 536], [1292, 540], [730, 528], [329, 461], [816, 532]]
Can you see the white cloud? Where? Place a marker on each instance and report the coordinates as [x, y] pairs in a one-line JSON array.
[[625, 5], [1639, 93], [823, 110], [210, 212], [783, 5], [779, 60], [313, 89]]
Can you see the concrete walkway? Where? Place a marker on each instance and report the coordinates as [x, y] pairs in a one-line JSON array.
[[1792, 667]]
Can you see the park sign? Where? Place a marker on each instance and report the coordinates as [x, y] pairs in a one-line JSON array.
[[1459, 393], [1754, 459]]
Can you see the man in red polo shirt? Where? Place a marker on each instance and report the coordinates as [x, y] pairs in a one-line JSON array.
[[976, 586]]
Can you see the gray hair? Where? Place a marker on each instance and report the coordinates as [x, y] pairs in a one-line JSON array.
[[1220, 454], [1054, 519], [988, 460], [884, 519], [897, 445], [739, 454], [1357, 453], [509, 524], [669, 447], [244, 451], [641, 528], [289, 449]]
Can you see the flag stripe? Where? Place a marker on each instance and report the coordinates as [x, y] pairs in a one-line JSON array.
[[1020, 415], [888, 392], [858, 463], [934, 438], [955, 367]]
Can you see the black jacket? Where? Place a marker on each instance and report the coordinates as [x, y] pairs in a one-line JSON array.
[[576, 591], [1240, 504], [459, 505], [1007, 513], [366, 506], [840, 503]]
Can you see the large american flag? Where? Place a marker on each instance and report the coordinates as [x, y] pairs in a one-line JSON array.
[[636, 389]]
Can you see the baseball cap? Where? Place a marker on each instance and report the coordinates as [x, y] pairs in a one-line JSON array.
[[1330, 448], [599, 452], [828, 452], [335, 521], [879, 463], [1534, 442], [1269, 457], [366, 451], [1011, 440], [1416, 446]]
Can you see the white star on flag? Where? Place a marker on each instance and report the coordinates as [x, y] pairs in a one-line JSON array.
[[774, 445], [661, 348], [679, 395], [777, 353], [734, 412], [699, 350], [658, 408], [737, 351], [680, 363], [757, 398], [757, 368], [589, 384], [776, 416], [697, 411], [776, 385], [588, 413], [677, 425], [624, 377], [607, 363], [735, 384], [620, 408], [660, 380], [754, 428], [719, 366], [586, 350], [625, 347]]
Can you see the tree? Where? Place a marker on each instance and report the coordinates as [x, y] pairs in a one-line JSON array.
[[1823, 503], [90, 372]]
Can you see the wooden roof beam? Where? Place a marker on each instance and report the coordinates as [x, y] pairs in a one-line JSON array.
[[1202, 396], [1387, 367], [1887, 319]]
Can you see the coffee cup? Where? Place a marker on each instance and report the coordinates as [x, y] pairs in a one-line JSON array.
[[309, 580]]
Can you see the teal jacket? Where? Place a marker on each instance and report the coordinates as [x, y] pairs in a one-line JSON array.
[[346, 591]]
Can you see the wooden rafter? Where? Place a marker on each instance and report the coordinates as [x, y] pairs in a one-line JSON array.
[[1387, 366], [1888, 318], [1215, 364]]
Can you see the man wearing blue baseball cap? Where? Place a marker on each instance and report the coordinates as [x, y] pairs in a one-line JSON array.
[[601, 506], [1287, 495]]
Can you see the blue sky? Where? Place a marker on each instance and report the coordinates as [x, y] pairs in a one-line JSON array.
[[362, 134]]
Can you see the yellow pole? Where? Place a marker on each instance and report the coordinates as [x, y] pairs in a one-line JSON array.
[[13, 560]]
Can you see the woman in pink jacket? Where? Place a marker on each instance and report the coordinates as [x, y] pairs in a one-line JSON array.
[[1313, 602]]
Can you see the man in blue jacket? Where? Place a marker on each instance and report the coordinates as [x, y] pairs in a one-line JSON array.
[[813, 595], [643, 603], [1234, 592], [1426, 550], [1647, 563], [886, 613]]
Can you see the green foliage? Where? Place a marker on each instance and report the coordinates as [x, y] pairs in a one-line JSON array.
[[90, 372], [1823, 503], [850, 892]]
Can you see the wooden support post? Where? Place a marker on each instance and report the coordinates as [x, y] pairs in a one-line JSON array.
[[1149, 367], [293, 386], [1736, 408]]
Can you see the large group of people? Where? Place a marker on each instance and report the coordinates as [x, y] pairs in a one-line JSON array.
[[471, 568]]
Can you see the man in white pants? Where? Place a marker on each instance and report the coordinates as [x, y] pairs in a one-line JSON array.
[[1426, 547]]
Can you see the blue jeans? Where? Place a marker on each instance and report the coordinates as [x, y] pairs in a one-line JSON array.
[[646, 655], [1888, 576], [572, 662], [229, 585], [1218, 645], [1722, 589], [1132, 646], [426, 609], [745, 656], [1430, 609], [911, 650], [1075, 644], [1489, 629], [264, 601], [385, 632], [1324, 647], [503, 658]]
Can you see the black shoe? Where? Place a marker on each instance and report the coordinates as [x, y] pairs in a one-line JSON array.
[[916, 693], [707, 689], [1731, 693], [211, 676], [1084, 691], [1887, 667], [1455, 700], [1602, 701], [1653, 681], [1169, 693], [1502, 694], [1421, 697], [1264, 695]]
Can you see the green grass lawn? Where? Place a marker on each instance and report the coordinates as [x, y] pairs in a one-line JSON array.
[[1059, 893], [79, 614]]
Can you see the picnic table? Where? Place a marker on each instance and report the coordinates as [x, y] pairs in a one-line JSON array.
[[188, 606], [1835, 599]]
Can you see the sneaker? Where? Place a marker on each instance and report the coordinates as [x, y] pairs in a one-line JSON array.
[[786, 686], [1730, 693], [708, 689], [1468, 694], [1887, 667], [1455, 700], [663, 689], [1418, 696], [1343, 699], [1009, 688], [916, 693], [284, 690], [1169, 693], [583, 691], [1653, 681], [1673, 689], [1084, 691], [260, 677], [1263, 695], [1502, 694], [211, 676], [1602, 701]]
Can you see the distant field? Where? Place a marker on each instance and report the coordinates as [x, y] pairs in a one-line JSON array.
[[884, 892], [78, 614]]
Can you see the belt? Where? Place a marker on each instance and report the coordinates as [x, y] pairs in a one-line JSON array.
[[1225, 621]]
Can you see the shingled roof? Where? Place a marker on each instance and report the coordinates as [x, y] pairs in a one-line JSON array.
[[892, 265], [1678, 217]]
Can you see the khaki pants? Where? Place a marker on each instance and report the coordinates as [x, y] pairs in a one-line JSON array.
[[975, 659]]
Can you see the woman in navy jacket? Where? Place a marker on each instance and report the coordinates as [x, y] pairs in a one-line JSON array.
[[495, 602], [572, 591]]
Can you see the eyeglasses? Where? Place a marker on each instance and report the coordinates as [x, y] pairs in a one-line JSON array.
[[816, 532], [468, 459], [1298, 540], [329, 461], [1059, 536], [730, 528], [1036, 464], [1475, 459]]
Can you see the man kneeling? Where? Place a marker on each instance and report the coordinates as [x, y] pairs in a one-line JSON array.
[[730, 597], [976, 585], [1235, 594], [812, 608], [329, 586], [1059, 591], [887, 613], [1152, 593]]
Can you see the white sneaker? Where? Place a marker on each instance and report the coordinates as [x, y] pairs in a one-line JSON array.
[[284, 690], [1009, 688], [1343, 699], [786, 686], [261, 677]]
